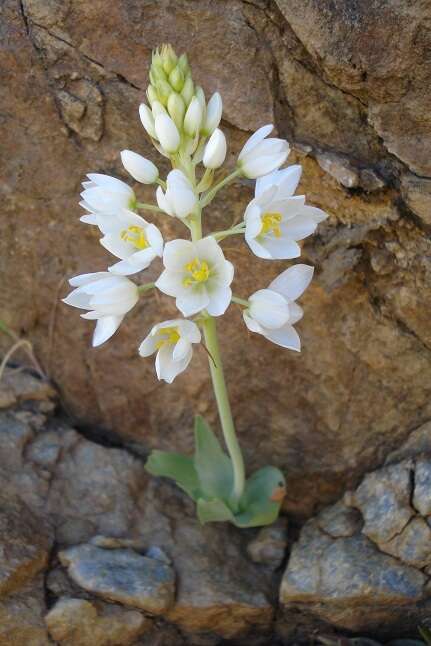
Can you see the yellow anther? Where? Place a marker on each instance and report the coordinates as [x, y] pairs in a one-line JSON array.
[[135, 235], [168, 335], [271, 222], [198, 270]]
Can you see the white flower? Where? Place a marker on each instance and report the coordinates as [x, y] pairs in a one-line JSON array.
[[141, 169], [147, 120], [105, 194], [275, 219], [193, 118], [179, 200], [197, 275], [167, 133], [131, 238], [215, 150], [108, 298], [272, 312], [213, 114], [260, 156], [173, 342]]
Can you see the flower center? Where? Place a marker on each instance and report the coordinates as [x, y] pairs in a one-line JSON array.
[[271, 222], [168, 335], [135, 235], [198, 271]]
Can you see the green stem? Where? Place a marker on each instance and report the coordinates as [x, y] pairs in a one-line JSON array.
[[208, 197], [224, 410], [240, 301], [146, 287], [234, 231], [149, 207]]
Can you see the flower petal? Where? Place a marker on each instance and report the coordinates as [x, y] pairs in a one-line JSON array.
[[105, 328], [293, 281]]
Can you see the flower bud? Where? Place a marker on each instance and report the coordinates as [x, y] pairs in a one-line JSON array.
[[152, 95], [176, 79], [176, 109], [188, 90], [167, 133], [200, 95], [169, 58], [193, 118], [157, 108], [215, 150], [157, 74], [163, 91], [147, 120], [213, 114], [183, 64], [141, 169]]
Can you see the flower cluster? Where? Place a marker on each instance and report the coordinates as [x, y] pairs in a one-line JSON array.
[[184, 127]]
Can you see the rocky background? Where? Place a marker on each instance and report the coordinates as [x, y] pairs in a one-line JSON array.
[[347, 83]]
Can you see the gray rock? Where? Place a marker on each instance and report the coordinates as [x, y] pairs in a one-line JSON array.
[[383, 498], [77, 622], [351, 570], [422, 490], [25, 542], [417, 442], [413, 545], [339, 520], [19, 386], [21, 617], [122, 575], [270, 545]]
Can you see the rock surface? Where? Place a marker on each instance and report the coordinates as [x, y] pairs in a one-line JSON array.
[[345, 82], [122, 576], [364, 563], [77, 622]]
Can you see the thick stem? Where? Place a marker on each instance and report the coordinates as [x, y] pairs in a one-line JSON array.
[[225, 413]]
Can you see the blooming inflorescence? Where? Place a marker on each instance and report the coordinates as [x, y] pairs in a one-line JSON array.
[[185, 128]]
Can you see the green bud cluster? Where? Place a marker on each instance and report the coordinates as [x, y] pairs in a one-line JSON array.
[[171, 83]]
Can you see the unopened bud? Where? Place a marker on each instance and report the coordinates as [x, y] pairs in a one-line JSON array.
[[183, 64], [141, 169], [176, 109], [163, 91], [157, 108], [147, 120], [176, 79], [215, 150], [167, 133], [200, 95], [213, 114], [193, 118], [152, 95], [188, 90], [169, 58]]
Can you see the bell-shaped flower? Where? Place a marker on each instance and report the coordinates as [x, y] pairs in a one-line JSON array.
[[105, 194], [213, 114], [215, 150], [179, 200], [167, 133], [261, 156], [147, 120], [107, 297], [172, 340], [272, 312], [131, 238], [141, 169], [197, 275], [275, 219]]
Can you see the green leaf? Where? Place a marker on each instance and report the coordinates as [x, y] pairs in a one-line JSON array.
[[257, 508], [213, 466], [425, 633], [176, 466], [213, 511]]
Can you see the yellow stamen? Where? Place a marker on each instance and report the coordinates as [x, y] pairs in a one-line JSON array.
[[198, 270], [168, 335], [135, 235], [271, 222]]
